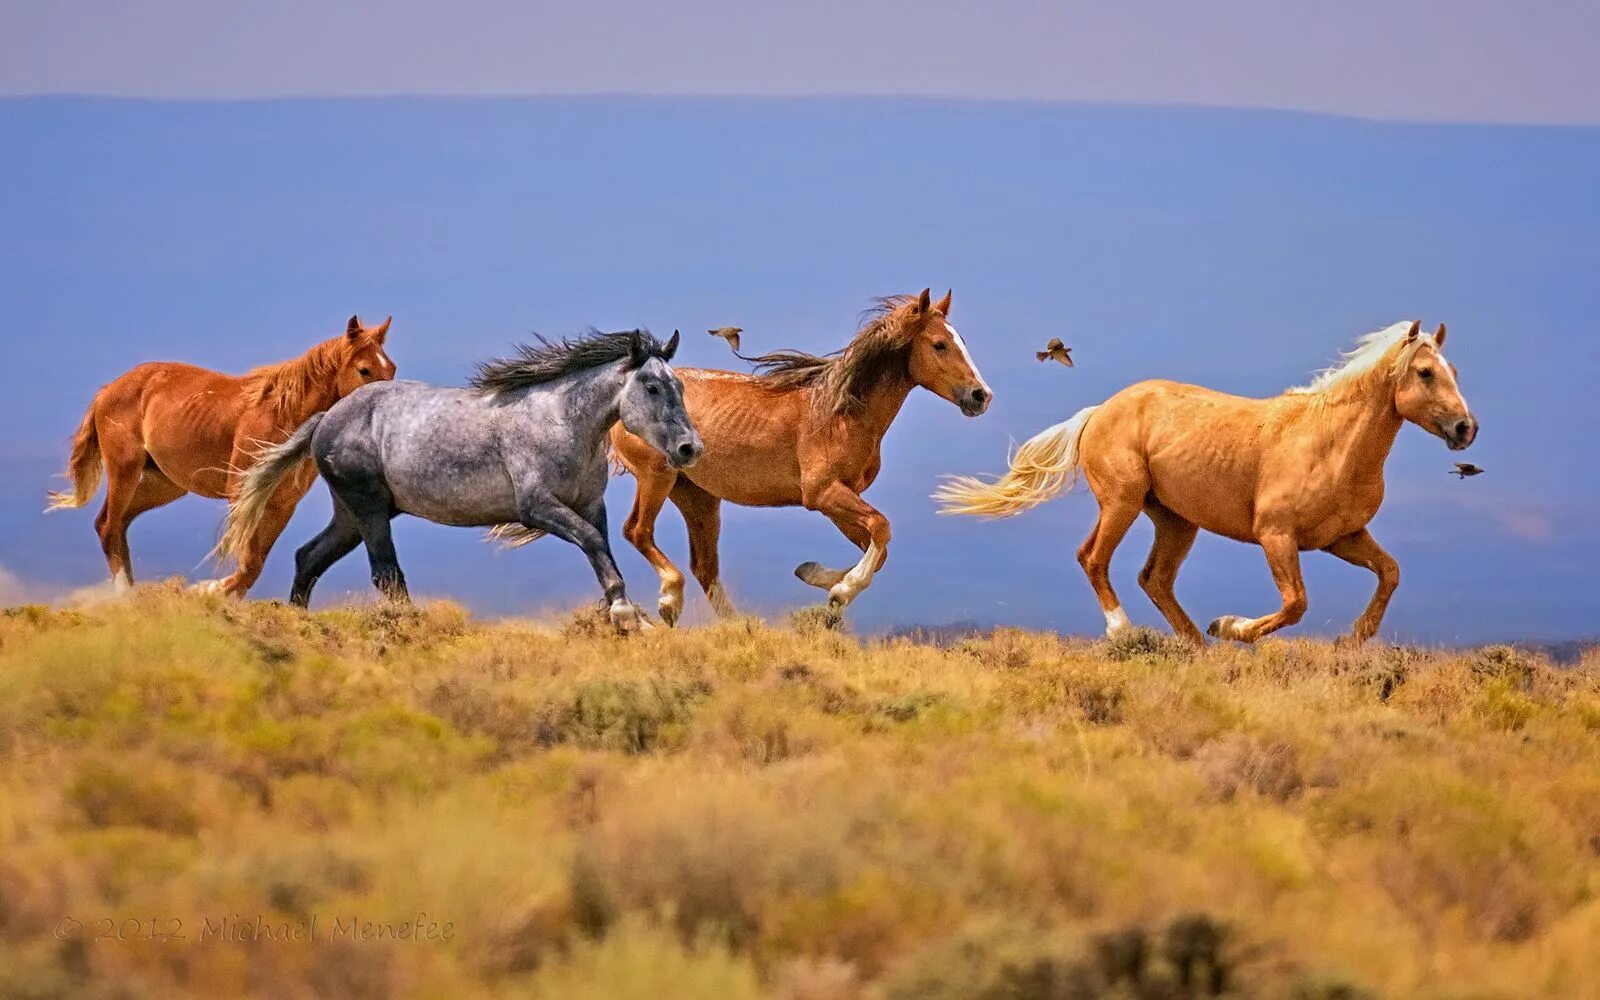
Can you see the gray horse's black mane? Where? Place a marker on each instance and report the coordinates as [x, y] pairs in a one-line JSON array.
[[548, 360]]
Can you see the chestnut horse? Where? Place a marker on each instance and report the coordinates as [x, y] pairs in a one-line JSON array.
[[1293, 473], [164, 429], [803, 431]]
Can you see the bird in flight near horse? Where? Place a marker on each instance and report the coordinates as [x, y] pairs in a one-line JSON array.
[[1055, 351]]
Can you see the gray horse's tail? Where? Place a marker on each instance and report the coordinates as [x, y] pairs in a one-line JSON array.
[[256, 487], [512, 535]]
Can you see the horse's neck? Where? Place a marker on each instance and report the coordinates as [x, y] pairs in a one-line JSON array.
[[881, 404], [592, 403], [307, 385], [1358, 428]]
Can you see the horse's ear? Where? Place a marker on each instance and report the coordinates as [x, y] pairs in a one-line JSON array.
[[382, 331], [1416, 328], [352, 329], [1438, 336], [943, 305], [672, 347], [924, 301]]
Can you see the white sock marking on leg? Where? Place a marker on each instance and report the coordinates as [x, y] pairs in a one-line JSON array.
[[1116, 621]]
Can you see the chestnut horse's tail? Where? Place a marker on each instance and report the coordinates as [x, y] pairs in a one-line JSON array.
[[1045, 465], [83, 467], [256, 487]]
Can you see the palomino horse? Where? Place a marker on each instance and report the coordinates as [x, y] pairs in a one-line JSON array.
[[1293, 473], [805, 431], [524, 444], [164, 429]]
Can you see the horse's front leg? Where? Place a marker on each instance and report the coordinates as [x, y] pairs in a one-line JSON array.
[[1283, 558], [546, 513], [1361, 549], [860, 522]]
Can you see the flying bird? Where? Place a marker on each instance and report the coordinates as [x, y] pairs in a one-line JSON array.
[[730, 334], [1465, 469], [1055, 351]]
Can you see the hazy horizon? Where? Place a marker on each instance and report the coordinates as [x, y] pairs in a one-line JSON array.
[[1429, 60]]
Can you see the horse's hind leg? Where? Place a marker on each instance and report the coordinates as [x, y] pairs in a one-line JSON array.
[[1283, 558], [702, 512], [1361, 549], [125, 460], [371, 508], [1174, 538], [640, 531], [1118, 510], [313, 558]]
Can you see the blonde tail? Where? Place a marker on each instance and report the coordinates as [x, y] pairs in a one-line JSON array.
[[256, 487], [1046, 465], [83, 468]]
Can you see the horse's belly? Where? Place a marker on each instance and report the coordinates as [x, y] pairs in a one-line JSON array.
[[461, 500], [750, 481]]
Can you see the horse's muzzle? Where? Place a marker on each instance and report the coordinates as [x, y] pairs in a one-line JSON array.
[[685, 454], [975, 400], [1459, 433]]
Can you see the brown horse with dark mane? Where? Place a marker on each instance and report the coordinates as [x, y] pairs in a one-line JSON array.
[[164, 429], [802, 431]]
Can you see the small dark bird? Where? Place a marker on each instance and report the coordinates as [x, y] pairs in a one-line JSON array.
[[728, 333], [1056, 351], [1465, 469]]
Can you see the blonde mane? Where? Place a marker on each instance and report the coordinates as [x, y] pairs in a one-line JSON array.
[[286, 386], [1364, 358]]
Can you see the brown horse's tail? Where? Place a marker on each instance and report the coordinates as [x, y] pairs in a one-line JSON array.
[[1046, 465], [256, 487], [83, 467]]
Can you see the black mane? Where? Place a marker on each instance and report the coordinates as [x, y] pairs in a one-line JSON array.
[[548, 360]]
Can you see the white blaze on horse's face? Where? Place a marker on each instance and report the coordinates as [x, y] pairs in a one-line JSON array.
[[651, 407], [941, 363], [1428, 395]]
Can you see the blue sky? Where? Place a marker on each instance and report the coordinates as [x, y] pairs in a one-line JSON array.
[[1237, 249]]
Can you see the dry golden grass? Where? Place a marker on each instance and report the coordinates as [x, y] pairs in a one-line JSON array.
[[755, 811]]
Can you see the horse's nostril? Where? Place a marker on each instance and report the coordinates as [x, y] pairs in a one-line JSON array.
[[686, 450], [978, 396], [1463, 428]]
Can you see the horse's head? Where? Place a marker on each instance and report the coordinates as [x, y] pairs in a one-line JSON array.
[[652, 403], [938, 359], [1426, 392], [364, 360]]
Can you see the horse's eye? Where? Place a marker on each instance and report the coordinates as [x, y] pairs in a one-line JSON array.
[[1426, 374], [940, 346], [652, 390], [364, 372]]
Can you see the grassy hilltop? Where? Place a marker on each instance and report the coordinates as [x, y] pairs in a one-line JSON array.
[[748, 810]]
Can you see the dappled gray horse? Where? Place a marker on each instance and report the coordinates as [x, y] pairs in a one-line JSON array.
[[525, 443]]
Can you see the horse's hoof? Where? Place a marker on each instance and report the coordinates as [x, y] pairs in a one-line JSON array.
[[818, 575], [669, 607], [208, 587], [1225, 628], [624, 616]]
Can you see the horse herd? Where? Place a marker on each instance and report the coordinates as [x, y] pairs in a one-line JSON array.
[[526, 447]]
